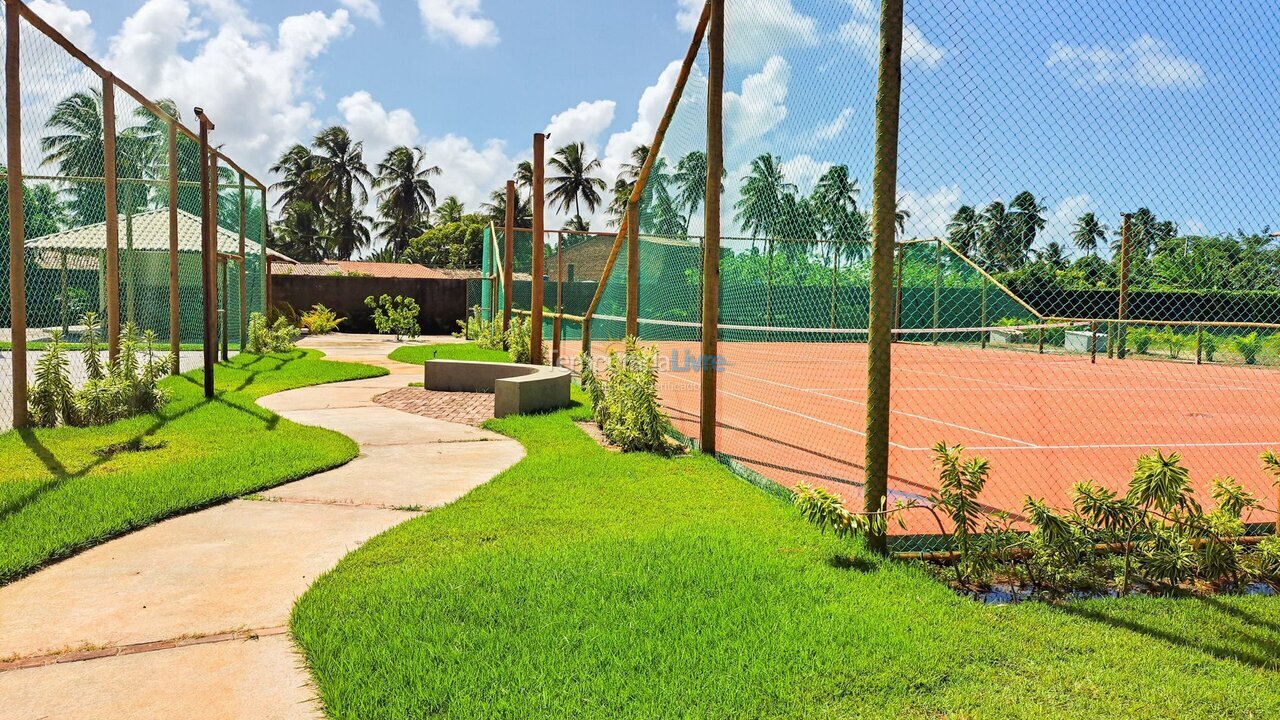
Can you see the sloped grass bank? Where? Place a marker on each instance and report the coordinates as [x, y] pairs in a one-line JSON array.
[[65, 489], [586, 584]]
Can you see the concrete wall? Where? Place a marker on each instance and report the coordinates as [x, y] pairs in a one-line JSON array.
[[443, 302]]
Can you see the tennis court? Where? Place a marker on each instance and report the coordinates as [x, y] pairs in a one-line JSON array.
[[793, 411]]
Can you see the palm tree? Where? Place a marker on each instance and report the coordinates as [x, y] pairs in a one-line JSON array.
[[496, 208], [964, 232], [450, 210], [300, 231], [77, 149], [524, 174], [1088, 232], [344, 177], [1028, 221], [900, 216], [759, 211], [690, 180], [997, 244], [1053, 254], [621, 196], [835, 202], [405, 196], [575, 185]]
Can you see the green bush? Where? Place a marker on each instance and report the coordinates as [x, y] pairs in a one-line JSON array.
[[1140, 339], [398, 315], [266, 340], [1173, 342], [320, 320], [1209, 344], [487, 334], [625, 400], [519, 341], [1249, 347], [125, 387]]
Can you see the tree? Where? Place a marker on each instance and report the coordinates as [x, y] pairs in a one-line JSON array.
[[449, 210], [900, 216], [405, 196], [524, 174], [1000, 248], [496, 208], [690, 180], [344, 177], [1088, 232], [1028, 221], [300, 233], [453, 245], [760, 210], [575, 185], [965, 231], [1053, 255], [77, 149], [835, 204]]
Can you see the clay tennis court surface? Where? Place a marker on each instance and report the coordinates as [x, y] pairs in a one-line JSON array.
[[794, 412]]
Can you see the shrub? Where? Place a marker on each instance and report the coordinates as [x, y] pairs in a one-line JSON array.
[[320, 320], [628, 409], [519, 341], [395, 316], [1209, 346], [1171, 341], [124, 388], [1140, 339], [265, 340], [1249, 347], [487, 334]]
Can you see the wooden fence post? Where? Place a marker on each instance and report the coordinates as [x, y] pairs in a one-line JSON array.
[[175, 296], [112, 209], [883, 232], [208, 248], [1122, 314], [539, 220], [244, 296], [17, 226], [711, 241], [509, 244]]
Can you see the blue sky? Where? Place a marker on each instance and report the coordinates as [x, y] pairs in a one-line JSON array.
[[1091, 105]]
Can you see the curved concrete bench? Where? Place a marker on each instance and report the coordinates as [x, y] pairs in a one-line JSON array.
[[517, 389]]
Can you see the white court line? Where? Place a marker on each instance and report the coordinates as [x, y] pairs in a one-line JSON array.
[[895, 412], [1126, 446]]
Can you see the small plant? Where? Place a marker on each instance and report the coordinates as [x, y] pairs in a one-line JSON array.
[[395, 316], [1249, 347], [519, 341], [51, 396], [320, 320], [628, 409], [1209, 346], [1140, 339], [485, 333], [1173, 342], [266, 340]]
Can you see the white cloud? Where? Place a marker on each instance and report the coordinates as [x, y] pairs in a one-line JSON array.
[[1146, 62], [804, 172], [75, 24], [581, 123], [459, 20], [1061, 220], [653, 103], [380, 129], [759, 28], [930, 211], [862, 33], [760, 106], [367, 9], [833, 129], [254, 83]]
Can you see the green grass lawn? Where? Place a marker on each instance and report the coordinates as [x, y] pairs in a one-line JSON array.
[[585, 584], [418, 354], [58, 496]]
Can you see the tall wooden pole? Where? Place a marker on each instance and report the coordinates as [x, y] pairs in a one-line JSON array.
[[884, 194], [539, 207], [225, 336], [112, 214], [633, 269], [244, 297], [175, 297], [1122, 313], [17, 226], [509, 246], [266, 264], [208, 249], [711, 222]]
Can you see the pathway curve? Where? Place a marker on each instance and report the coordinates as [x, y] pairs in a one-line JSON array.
[[189, 618]]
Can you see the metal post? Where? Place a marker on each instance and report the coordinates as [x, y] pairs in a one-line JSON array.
[[225, 320], [982, 324], [175, 298], [539, 208], [509, 243], [633, 269], [208, 227], [1093, 342], [937, 291], [244, 298], [557, 321], [1199, 344], [1122, 332], [17, 226], [883, 232], [901, 251], [711, 243], [112, 214]]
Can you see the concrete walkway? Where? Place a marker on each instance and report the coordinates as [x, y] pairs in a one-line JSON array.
[[188, 618]]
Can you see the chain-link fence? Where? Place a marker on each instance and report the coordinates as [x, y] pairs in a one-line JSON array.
[[111, 216]]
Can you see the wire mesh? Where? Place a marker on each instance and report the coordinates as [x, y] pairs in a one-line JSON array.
[[64, 109], [1084, 269]]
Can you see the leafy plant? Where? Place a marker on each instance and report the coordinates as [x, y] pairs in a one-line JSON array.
[[827, 511], [266, 340], [959, 483], [1173, 342], [397, 316], [1249, 347], [320, 320], [519, 339], [486, 334], [1209, 344], [51, 396], [629, 411], [1140, 338]]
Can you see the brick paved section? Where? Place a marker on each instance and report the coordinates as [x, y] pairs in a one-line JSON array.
[[458, 407]]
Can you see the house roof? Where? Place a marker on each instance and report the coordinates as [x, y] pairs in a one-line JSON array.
[[150, 234], [376, 269]]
